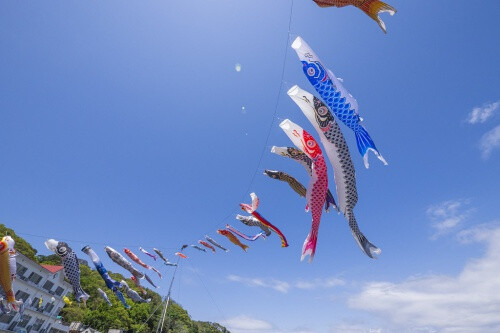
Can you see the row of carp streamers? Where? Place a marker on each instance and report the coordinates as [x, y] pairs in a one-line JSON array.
[[334, 99], [71, 269]]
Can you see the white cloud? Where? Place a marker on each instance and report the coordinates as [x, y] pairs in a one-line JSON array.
[[483, 113], [447, 216], [490, 141], [319, 283], [277, 285], [245, 324], [468, 302], [284, 287], [354, 328]]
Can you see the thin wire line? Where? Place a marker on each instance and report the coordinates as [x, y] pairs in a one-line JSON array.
[[274, 117], [91, 243], [208, 292]]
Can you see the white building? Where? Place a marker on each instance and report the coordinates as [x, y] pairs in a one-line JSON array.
[[35, 282]]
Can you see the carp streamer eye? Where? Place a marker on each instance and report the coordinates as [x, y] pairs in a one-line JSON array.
[[322, 111], [311, 144], [311, 71]]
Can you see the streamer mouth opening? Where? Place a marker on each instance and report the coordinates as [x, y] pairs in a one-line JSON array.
[[51, 244], [297, 43], [285, 124], [293, 90]]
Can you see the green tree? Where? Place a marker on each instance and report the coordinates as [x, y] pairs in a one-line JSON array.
[[21, 245]]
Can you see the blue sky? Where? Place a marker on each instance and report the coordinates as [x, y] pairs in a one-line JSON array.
[[122, 124]]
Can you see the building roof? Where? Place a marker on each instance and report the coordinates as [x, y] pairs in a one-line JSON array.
[[52, 268]]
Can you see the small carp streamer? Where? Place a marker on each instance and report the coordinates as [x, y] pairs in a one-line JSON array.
[[106, 298], [110, 283], [120, 260], [147, 253], [338, 153], [214, 243], [134, 296], [242, 235], [254, 222], [149, 280], [292, 182], [340, 101], [182, 255], [371, 8], [251, 209], [165, 260], [232, 238], [71, 267], [198, 248], [306, 162], [6, 274], [138, 261], [137, 283], [168, 263], [318, 185], [205, 244], [160, 254]]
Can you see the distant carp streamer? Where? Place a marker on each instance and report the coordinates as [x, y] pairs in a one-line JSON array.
[[181, 255], [138, 261], [338, 153], [106, 298], [147, 253], [252, 209], [318, 184], [371, 8], [214, 243], [232, 238], [254, 222], [110, 283], [120, 260], [134, 296], [198, 248], [306, 162], [165, 260], [205, 244], [242, 235], [340, 101], [71, 267]]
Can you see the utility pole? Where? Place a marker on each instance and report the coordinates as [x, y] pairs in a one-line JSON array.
[[159, 328]]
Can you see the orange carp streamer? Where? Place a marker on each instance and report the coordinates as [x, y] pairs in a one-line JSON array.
[[232, 238], [371, 7]]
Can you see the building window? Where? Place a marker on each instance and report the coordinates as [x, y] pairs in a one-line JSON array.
[[48, 285], [22, 295], [35, 278], [38, 324], [49, 307], [57, 311], [7, 317], [35, 302], [24, 321], [20, 270], [59, 291]]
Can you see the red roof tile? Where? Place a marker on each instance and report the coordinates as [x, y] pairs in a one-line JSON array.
[[52, 268]]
